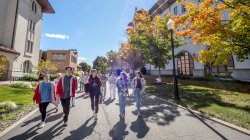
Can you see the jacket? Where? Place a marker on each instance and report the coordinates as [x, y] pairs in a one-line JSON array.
[[73, 87], [37, 95], [90, 82], [134, 83]]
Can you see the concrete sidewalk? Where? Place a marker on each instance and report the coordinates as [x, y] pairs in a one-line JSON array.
[[161, 121]]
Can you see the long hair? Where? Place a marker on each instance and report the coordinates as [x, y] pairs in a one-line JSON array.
[[140, 74], [124, 75]]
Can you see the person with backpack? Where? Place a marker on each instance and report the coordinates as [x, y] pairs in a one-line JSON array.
[[94, 91], [44, 94], [112, 85], [138, 84], [122, 85], [66, 89]]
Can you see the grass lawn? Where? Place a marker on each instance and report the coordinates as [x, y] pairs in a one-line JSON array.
[[22, 97], [227, 101]]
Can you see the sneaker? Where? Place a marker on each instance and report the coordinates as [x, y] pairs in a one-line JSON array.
[[65, 124], [41, 125], [139, 115]]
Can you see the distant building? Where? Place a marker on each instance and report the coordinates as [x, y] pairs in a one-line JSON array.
[[20, 33], [185, 63], [62, 58]]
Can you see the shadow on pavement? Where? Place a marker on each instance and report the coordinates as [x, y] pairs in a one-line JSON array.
[[140, 127], [157, 111], [82, 132], [108, 101], [118, 131]]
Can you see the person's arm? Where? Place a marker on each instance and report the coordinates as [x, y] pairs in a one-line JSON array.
[[36, 94]]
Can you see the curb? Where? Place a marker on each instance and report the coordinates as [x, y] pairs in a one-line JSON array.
[[17, 123], [237, 128]]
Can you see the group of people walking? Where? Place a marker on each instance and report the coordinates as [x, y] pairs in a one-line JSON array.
[[63, 90]]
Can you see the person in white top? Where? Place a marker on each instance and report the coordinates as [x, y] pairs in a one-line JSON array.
[[81, 80], [85, 82], [58, 77], [112, 85]]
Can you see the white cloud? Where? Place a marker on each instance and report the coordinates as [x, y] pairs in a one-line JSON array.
[[59, 36], [83, 59]]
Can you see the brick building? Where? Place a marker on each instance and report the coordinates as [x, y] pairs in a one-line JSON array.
[[62, 58]]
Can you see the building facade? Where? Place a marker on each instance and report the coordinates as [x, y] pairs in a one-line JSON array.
[[185, 63], [61, 59], [20, 33]]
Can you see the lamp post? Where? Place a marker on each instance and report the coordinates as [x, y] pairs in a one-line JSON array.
[[170, 25]]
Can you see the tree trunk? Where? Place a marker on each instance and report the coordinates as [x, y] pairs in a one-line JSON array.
[[160, 74]]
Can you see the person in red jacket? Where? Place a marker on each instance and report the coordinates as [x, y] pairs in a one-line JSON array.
[[66, 89], [94, 91], [44, 94]]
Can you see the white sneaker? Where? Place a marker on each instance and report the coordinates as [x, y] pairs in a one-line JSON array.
[[65, 124], [41, 125]]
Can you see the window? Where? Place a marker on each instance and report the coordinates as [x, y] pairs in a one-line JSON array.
[[58, 56], [175, 10], [29, 46], [185, 64], [32, 25], [73, 59], [183, 9], [34, 6], [27, 67]]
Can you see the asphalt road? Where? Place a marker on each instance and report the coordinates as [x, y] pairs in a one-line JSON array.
[[160, 121]]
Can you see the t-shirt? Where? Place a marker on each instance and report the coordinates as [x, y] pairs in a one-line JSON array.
[[138, 85], [95, 85], [66, 86], [45, 92]]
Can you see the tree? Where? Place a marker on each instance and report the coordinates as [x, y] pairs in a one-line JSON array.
[[113, 58], [204, 25], [132, 56], [152, 38], [85, 66], [45, 67], [3, 61], [100, 63]]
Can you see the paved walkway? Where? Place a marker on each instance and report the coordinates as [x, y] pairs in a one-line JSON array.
[[161, 121]]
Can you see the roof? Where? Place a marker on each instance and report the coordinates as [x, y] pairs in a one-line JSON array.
[[46, 6], [9, 50], [161, 5]]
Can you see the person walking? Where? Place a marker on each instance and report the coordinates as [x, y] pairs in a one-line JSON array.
[[112, 85], [58, 77], [85, 82], [104, 80], [122, 85], [44, 94], [66, 90], [94, 91], [81, 80], [138, 84]]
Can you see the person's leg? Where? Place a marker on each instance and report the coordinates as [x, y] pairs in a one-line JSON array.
[[40, 108], [124, 104], [67, 108], [97, 96], [44, 111], [92, 101], [104, 88], [120, 104], [137, 99]]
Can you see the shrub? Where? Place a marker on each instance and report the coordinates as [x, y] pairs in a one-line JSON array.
[[30, 77], [77, 73], [34, 84], [7, 106], [21, 85], [52, 77]]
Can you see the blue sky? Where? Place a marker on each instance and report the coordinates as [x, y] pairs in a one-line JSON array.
[[93, 27]]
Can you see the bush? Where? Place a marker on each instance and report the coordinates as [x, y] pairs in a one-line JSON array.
[[30, 77], [52, 77], [77, 73], [34, 84], [7, 106], [21, 85]]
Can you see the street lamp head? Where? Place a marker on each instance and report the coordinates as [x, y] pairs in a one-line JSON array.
[[170, 24]]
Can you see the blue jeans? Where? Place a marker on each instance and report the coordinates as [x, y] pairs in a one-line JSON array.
[[122, 103], [138, 99]]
